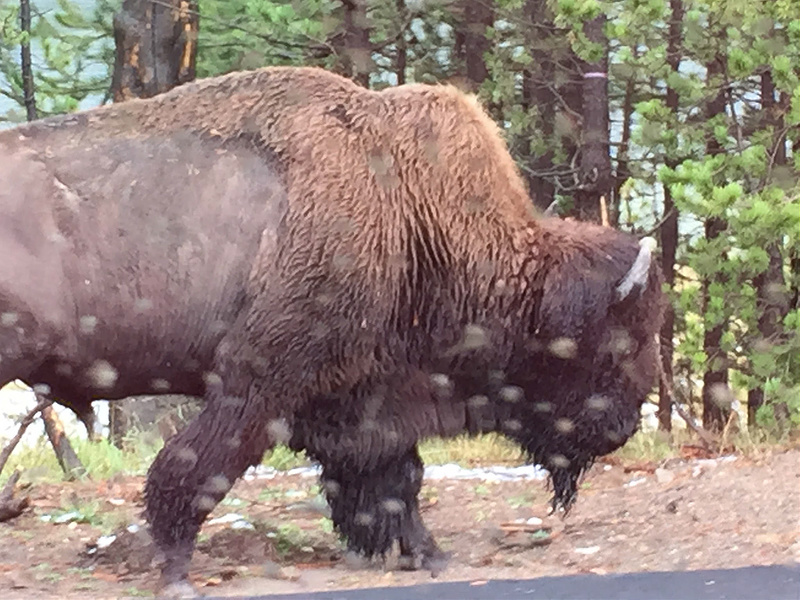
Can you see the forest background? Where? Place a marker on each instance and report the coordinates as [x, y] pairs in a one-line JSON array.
[[678, 119]]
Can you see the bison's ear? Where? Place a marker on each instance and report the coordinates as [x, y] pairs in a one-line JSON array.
[[635, 280]]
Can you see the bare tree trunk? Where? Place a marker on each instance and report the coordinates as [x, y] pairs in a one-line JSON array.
[[401, 61], [354, 45], [118, 423], [595, 166], [538, 84], [69, 461], [474, 17], [623, 171], [669, 228], [156, 47], [770, 285], [28, 87], [716, 396]]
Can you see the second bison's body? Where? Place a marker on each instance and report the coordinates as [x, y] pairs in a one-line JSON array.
[[344, 270]]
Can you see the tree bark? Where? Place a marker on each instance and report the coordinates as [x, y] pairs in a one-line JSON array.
[[69, 461], [669, 228], [156, 47], [594, 175], [538, 85], [354, 46], [716, 396], [770, 285], [28, 87], [474, 17], [401, 60]]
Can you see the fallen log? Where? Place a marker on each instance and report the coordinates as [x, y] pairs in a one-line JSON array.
[[11, 507]]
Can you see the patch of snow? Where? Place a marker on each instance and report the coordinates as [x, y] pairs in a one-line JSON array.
[[498, 473], [635, 482], [229, 518], [104, 541]]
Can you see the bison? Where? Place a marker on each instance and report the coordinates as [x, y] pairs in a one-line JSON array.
[[344, 270]]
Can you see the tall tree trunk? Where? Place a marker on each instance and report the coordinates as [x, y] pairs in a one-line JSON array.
[[770, 285], [538, 84], [401, 60], [669, 229], [716, 393], [28, 87], [156, 47], [594, 173], [623, 171], [354, 45], [475, 16]]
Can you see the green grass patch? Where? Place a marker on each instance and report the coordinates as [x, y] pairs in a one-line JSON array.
[[471, 451], [650, 446]]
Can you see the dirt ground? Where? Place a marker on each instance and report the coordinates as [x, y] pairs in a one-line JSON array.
[[680, 514]]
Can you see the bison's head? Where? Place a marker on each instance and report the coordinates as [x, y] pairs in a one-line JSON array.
[[591, 354]]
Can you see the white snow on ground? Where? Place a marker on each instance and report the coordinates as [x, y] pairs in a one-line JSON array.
[[446, 471]]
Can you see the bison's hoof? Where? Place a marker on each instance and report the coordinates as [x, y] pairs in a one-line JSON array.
[[178, 589], [434, 561]]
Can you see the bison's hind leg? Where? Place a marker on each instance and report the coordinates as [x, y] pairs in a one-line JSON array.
[[376, 508]]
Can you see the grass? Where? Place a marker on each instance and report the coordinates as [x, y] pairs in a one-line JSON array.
[[104, 460], [468, 451]]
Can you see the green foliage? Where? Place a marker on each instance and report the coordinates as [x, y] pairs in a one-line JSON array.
[[72, 50]]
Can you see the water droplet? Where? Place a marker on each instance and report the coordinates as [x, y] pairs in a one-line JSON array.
[[160, 385], [511, 393], [9, 319], [597, 402], [559, 461], [364, 519], [88, 323], [393, 506], [279, 431], [102, 374], [564, 425], [563, 347]]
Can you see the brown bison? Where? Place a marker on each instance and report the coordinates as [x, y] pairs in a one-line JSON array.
[[345, 270]]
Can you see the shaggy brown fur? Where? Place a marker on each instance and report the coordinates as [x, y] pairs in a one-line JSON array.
[[402, 289]]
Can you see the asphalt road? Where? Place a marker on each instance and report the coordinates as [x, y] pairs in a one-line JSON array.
[[778, 582]]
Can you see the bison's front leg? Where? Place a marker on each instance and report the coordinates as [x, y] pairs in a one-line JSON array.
[[194, 471], [375, 508]]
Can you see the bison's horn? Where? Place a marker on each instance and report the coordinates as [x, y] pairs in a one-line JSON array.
[[637, 276], [552, 210]]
